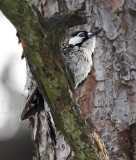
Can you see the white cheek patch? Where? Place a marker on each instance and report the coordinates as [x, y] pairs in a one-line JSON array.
[[75, 40]]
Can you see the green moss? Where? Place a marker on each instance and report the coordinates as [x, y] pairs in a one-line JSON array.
[[81, 148], [46, 63]]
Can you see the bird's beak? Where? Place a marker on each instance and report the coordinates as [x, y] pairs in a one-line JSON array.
[[90, 35]]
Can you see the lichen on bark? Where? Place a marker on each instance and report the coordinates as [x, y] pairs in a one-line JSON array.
[[41, 39]]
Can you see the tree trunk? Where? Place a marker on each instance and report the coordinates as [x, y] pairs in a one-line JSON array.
[[55, 82], [108, 95]]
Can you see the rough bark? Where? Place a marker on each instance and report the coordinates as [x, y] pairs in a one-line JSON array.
[[42, 51], [108, 95]]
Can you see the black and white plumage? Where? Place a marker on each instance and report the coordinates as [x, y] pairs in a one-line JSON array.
[[78, 54]]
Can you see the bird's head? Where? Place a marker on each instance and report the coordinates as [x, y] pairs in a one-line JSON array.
[[81, 36]]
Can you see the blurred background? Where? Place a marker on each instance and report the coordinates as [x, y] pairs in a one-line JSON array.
[[15, 136]]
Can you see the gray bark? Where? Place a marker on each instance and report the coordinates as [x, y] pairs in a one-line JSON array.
[[108, 95], [52, 80]]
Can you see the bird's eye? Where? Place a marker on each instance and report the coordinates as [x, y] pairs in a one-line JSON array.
[[81, 35]]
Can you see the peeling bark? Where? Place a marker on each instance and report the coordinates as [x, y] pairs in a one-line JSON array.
[[42, 51], [108, 96]]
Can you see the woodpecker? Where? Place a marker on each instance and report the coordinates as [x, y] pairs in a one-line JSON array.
[[78, 54]]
